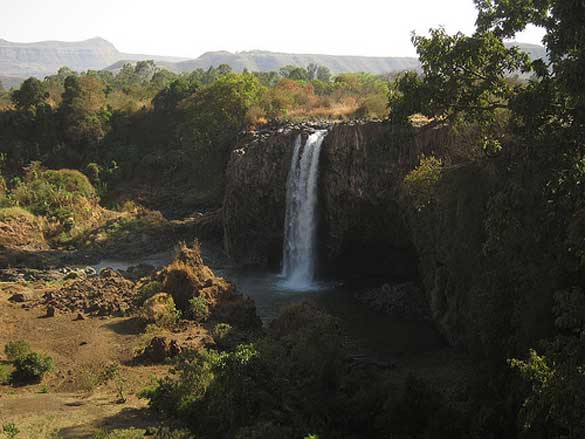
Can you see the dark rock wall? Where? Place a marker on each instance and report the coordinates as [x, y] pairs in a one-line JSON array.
[[254, 204], [368, 233], [362, 231]]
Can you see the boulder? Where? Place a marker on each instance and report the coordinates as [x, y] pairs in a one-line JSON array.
[[25, 296], [160, 349]]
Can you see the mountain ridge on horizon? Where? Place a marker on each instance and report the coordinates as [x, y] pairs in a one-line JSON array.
[[21, 60]]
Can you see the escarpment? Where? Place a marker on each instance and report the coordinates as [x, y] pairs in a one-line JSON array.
[[362, 231]]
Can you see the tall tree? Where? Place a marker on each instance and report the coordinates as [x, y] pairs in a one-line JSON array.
[[31, 93]]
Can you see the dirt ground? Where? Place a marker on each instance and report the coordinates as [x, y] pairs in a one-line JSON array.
[[70, 402]]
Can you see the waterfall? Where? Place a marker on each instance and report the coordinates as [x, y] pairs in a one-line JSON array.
[[300, 222]]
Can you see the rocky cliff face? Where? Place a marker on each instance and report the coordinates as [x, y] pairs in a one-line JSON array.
[[362, 231], [368, 231], [255, 193]]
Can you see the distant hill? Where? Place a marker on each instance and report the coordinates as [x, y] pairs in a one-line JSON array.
[[257, 60], [21, 60]]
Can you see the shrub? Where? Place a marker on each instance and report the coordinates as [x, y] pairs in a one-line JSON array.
[[64, 195], [148, 290], [221, 331], [161, 310], [16, 349], [10, 430], [199, 308], [32, 367], [5, 373], [419, 184]]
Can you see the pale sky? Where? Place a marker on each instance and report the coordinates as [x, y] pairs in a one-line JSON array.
[[189, 27]]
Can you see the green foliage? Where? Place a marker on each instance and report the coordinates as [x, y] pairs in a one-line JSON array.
[[463, 76], [419, 412], [295, 73], [217, 112], [282, 385], [31, 367], [160, 309], [147, 290], [420, 183], [16, 349], [5, 373], [199, 308], [293, 381], [84, 112], [221, 331], [63, 195], [31, 94], [10, 430]]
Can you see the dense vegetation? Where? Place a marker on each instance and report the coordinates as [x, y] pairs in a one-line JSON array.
[[531, 284], [151, 130]]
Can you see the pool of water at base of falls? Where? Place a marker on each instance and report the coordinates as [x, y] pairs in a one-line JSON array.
[[368, 333]]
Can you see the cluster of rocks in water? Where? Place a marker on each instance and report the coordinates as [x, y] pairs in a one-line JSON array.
[[405, 300]]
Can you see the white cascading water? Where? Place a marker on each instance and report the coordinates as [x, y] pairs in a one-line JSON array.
[[298, 266]]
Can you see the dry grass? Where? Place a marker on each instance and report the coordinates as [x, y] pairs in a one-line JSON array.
[[337, 110], [21, 229]]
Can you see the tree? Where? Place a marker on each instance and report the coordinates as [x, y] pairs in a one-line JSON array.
[[463, 76], [31, 93], [169, 97], [216, 113], [2, 89], [223, 69], [323, 74], [294, 72], [83, 111], [318, 72]]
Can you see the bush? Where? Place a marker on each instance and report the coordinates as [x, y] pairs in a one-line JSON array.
[[420, 183], [64, 195], [221, 331], [5, 373], [148, 290], [199, 308], [10, 430], [16, 349], [161, 310], [32, 367]]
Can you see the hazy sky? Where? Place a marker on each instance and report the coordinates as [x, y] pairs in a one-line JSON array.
[[189, 28]]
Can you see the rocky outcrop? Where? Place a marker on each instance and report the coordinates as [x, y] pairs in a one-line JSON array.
[[108, 294], [361, 229], [187, 278]]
